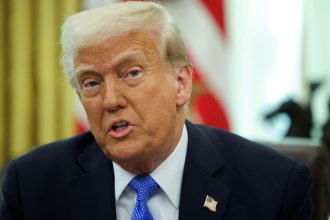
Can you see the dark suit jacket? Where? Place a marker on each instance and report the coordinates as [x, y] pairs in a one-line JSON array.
[[72, 179]]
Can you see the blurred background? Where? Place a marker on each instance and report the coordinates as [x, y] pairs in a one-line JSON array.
[[262, 69]]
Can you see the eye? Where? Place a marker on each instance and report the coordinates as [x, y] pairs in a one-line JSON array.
[[133, 74], [90, 84]]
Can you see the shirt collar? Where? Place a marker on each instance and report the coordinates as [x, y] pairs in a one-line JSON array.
[[169, 170]]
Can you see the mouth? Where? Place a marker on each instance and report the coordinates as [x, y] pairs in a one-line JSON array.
[[120, 129]]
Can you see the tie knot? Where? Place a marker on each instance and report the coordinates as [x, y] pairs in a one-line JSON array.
[[145, 187]]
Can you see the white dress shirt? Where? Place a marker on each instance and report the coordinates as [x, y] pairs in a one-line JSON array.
[[164, 204]]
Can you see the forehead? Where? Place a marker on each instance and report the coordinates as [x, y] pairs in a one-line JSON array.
[[136, 44]]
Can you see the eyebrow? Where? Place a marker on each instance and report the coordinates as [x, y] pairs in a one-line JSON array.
[[115, 61], [84, 68]]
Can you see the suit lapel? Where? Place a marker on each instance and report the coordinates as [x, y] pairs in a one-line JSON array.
[[90, 194], [202, 166]]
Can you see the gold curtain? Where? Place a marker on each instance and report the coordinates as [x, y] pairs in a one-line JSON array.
[[36, 102]]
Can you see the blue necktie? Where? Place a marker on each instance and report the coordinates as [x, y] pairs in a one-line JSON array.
[[145, 187]]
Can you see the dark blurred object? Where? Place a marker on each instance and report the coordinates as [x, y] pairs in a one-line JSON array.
[[301, 118], [326, 130], [317, 158]]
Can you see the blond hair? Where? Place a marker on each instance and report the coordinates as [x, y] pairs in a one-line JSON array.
[[94, 26]]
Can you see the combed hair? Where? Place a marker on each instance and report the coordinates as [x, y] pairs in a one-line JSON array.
[[94, 26]]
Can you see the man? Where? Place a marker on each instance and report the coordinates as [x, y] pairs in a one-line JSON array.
[[142, 160]]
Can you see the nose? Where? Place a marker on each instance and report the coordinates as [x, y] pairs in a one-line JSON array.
[[113, 98]]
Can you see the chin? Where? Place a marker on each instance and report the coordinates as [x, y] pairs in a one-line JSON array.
[[122, 152]]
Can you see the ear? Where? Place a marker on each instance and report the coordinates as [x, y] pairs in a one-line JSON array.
[[184, 84]]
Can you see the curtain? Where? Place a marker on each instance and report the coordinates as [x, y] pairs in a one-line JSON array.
[[36, 101]]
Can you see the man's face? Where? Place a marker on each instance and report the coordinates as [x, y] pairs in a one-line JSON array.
[[133, 99]]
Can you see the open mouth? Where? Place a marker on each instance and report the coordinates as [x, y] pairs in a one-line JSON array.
[[120, 129], [120, 126]]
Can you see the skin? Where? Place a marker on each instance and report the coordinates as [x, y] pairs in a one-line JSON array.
[[126, 79]]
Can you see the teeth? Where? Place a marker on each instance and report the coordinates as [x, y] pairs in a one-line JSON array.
[[120, 125]]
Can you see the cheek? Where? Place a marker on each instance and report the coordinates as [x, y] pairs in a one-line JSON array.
[[159, 105], [156, 97], [93, 110]]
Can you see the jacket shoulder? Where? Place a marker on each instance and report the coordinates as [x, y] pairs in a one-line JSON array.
[[61, 149], [235, 146], [53, 159], [251, 160]]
